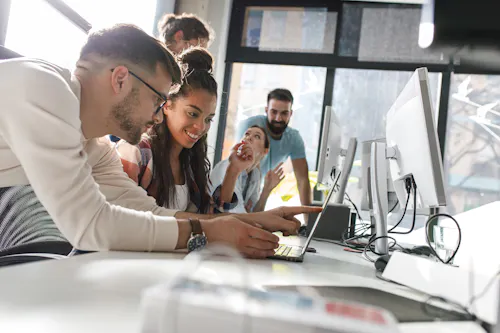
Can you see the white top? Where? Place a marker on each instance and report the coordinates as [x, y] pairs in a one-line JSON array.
[[80, 182], [181, 202]]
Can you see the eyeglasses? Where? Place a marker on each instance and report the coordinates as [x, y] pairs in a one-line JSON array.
[[160, 95]]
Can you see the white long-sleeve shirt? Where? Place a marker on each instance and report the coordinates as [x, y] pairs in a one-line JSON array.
[[80, 182]]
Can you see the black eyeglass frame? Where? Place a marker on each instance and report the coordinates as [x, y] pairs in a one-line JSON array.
[[160, 95]]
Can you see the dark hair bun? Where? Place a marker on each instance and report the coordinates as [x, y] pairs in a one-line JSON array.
[[169, 18], [197, 58], [166, 20]]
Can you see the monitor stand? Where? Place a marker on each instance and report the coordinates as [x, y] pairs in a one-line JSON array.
[[496, 328], [378, 184]]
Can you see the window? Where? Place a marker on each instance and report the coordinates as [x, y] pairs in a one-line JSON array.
[[472, 152], [373, 52], [250, 85], [38, 30], [388, 33], [140, 13], [361, 99], [289, 29]]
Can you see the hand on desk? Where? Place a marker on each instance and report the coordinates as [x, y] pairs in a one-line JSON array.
[[279, 219], [249, 240], [251, 234]]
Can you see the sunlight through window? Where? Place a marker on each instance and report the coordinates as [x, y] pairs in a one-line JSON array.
[[37, 30]]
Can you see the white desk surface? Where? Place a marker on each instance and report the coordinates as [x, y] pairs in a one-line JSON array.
[[100, 292]]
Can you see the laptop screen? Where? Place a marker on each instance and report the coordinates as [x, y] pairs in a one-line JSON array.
[[325, 203]]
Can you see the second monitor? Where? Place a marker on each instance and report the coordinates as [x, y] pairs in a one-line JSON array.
[[330, 164], [413, 151]]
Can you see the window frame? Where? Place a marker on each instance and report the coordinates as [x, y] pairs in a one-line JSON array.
[[240, 54]]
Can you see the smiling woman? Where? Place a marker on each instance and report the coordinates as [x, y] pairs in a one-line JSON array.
[[171, 161]]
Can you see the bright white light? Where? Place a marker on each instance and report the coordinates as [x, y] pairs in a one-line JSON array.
[[37, 30], [103, 13], [425, 34]]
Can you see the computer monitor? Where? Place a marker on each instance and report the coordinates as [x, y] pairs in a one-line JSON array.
[[412, 147], [364, 182], [330, 149], [345, 172], [337, 192], [411, 131]]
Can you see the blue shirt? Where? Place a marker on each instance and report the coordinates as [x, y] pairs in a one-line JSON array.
[[290, 145]]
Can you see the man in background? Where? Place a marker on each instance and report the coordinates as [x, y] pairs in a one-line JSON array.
[[285, 141]]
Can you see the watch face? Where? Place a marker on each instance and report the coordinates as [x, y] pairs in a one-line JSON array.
[[196, 242]]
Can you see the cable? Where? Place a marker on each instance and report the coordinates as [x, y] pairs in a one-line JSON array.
[[402, 216], [355, 207], [470, 315], [439, 313], [336, 188], [337, 243], [408, 190], [363, 229], [352, 241], [414, 211], [484, 291], [395, 205], [368, 247], [427, 223]]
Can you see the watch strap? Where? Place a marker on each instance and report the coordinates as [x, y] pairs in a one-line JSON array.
[[196, 228]]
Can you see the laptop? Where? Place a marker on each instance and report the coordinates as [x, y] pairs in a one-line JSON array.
[[293, 248]]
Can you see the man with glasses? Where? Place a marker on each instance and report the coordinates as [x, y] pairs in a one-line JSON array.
[[162, 99], [59, 179]]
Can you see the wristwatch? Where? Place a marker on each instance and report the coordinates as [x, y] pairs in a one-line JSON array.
[[198, 240]]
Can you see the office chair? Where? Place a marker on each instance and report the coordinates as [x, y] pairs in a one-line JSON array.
[[6, 53], [35, 251], [30, 239], [27, 233]]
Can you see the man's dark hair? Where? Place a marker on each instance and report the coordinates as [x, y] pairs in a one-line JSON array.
[[280, 94], [130, 44], [191, 26]]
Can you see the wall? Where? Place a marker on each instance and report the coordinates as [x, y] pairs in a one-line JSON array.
[[4, 19], [217, 14], [162, 7]]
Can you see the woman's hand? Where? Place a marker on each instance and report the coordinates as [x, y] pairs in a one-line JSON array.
[[274, 177], [246, 236], [241, 157]]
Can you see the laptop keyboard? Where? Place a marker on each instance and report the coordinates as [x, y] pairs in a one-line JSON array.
[[286, 250]]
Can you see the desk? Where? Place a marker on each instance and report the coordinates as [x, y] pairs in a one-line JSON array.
[[100, 292]]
